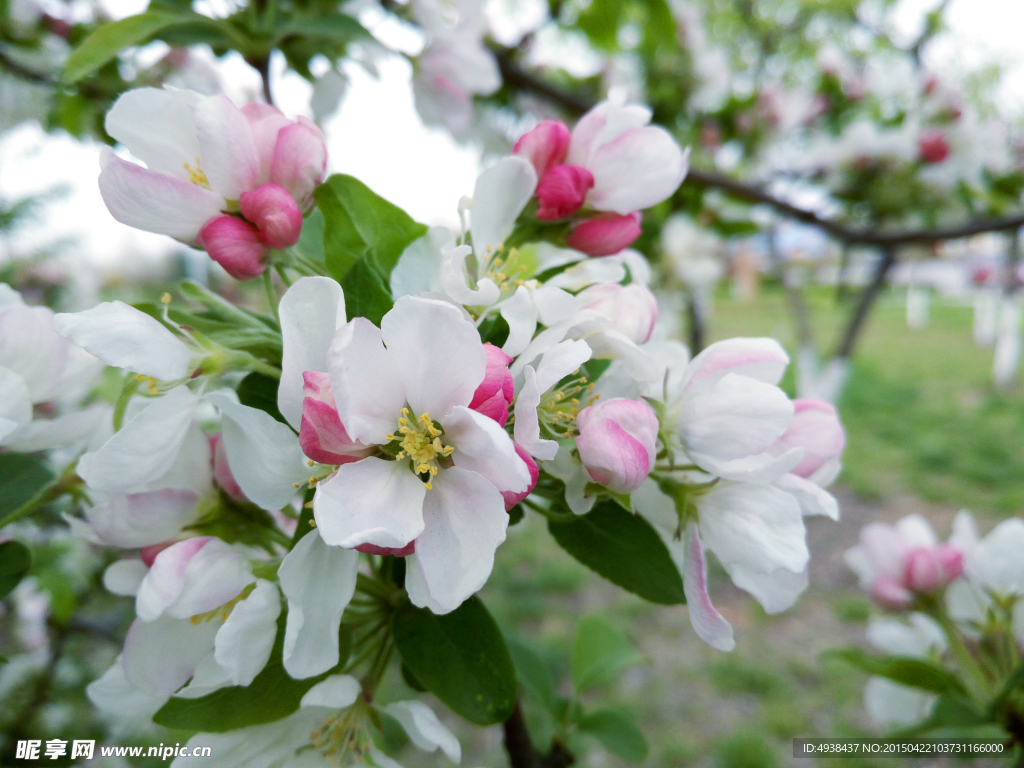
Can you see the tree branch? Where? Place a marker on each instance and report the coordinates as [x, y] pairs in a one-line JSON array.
[[867, 299], [520, 749], [25, 73]]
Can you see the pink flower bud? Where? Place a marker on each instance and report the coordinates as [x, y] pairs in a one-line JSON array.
[[373, 549], [272, 210], [951, 562], [221, 470], [632, 308], [933, 147], [562, 191], [511, 499], [815, 428], [322, 436], [889, 593], [545, 146], [300, 160], [617, 442], [605, 235], [923, 571], [235, 245], [496, 391]]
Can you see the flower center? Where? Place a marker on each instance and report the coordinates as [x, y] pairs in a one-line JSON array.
[[420, 442], [223, 611], [343, 736], [197, 175], [559, 407]]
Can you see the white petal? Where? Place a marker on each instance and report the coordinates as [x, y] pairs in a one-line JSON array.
[[126, 337], [437, 352], [601, 125], [113, 694], [15, 402], [145, 447], [124, 577], [999, 565], [465, 522], [527, 428], [31, 348], [318, 581], [71, 428], [500, 194], [759, 468], [775, 591], [419, 267], [560, 361], [813, 499], [154, 202], [589, 271], [226, 147], [892, 704], [336, 692], [755, 526], [158, 127], [371, 501], [160, 656], [311, 311], [521, 315], [554, 305], [423, 727], [763, 359], [609, 343], [264, 454], [708, 623], [243, 645], [640, 168], [365, 382], [483, 447], [272, 745], [570, 471], [454, 280]]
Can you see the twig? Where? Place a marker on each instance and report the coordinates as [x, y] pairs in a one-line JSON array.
[[867, 299], [520, 749]]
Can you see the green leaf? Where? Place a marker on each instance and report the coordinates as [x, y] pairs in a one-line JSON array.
[[533, 674], [15, 560], [366, 293], [617, 732], [599, 653], [257, 390], [460, 657], [906, 670], [623, 548], [359, 224], [600, 22], [272, 695], [335, 26], [112, 38], [22, 478], [311, 240]]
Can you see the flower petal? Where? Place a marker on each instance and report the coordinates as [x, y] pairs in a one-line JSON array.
[[336, 692], [638, 169], [160, 656], [300, 160], [243, 645], [158, 127], [500, 194], [15, 402], [126, 337], [311, 312], [113, 694], [708, 623], [142, 519], [155, 202], [227, 149], [527, 428], [437, 353], [425, 730], [453, 280], [601, 125], [314, 612], [31, 348], [264, 454], [371, 501], [465, 521], [812, 498], [482, 446], [521, 315], [419, 267], [124, 577], [776, 591], [759, 358], [145, 447], [365, 381]]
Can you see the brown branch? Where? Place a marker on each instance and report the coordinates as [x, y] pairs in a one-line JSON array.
[[867, 299], [520, 749]]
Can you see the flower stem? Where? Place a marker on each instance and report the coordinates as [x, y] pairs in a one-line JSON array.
[[977, 684], [268, 286]]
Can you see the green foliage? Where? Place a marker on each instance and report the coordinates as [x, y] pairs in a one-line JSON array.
[[22, 478], [272, 695], [745, 749], [623, 548], [599, 653], [906, 670], [113, 37], [534, 676], [367, 294], [618, 733], [460, 657], [257, 390], [15, 560]]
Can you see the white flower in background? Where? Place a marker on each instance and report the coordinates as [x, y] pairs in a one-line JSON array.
[[889, 703], [330, 728]]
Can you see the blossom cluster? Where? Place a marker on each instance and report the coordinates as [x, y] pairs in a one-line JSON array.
[[520, 367]]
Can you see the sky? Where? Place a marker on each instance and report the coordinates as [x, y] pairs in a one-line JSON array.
[[377, 136]]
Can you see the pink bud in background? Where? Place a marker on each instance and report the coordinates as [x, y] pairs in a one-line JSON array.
[[605, 235], [617, 442], [931, 568], [890, 593], [221, 470], [235, 245], [562, 191], [933, 147], [322, 436], [511, 499], [496, 391], [632, 309], [273, 212], [545, 146], [815, 428]]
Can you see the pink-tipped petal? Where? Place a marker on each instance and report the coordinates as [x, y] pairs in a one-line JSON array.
[[235, 245], [300, 160], [496, 391], [222, 471], [265, 122], [638, 169], [890, 593], [562, 191], [545, 146], [228, 153], [511, 498], [273, 211], [155, 202], [708, 623], [815, 428], [632, 309], [605, 235], [322, 436]]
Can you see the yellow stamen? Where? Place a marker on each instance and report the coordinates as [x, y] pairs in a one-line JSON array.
[[166, 298]]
